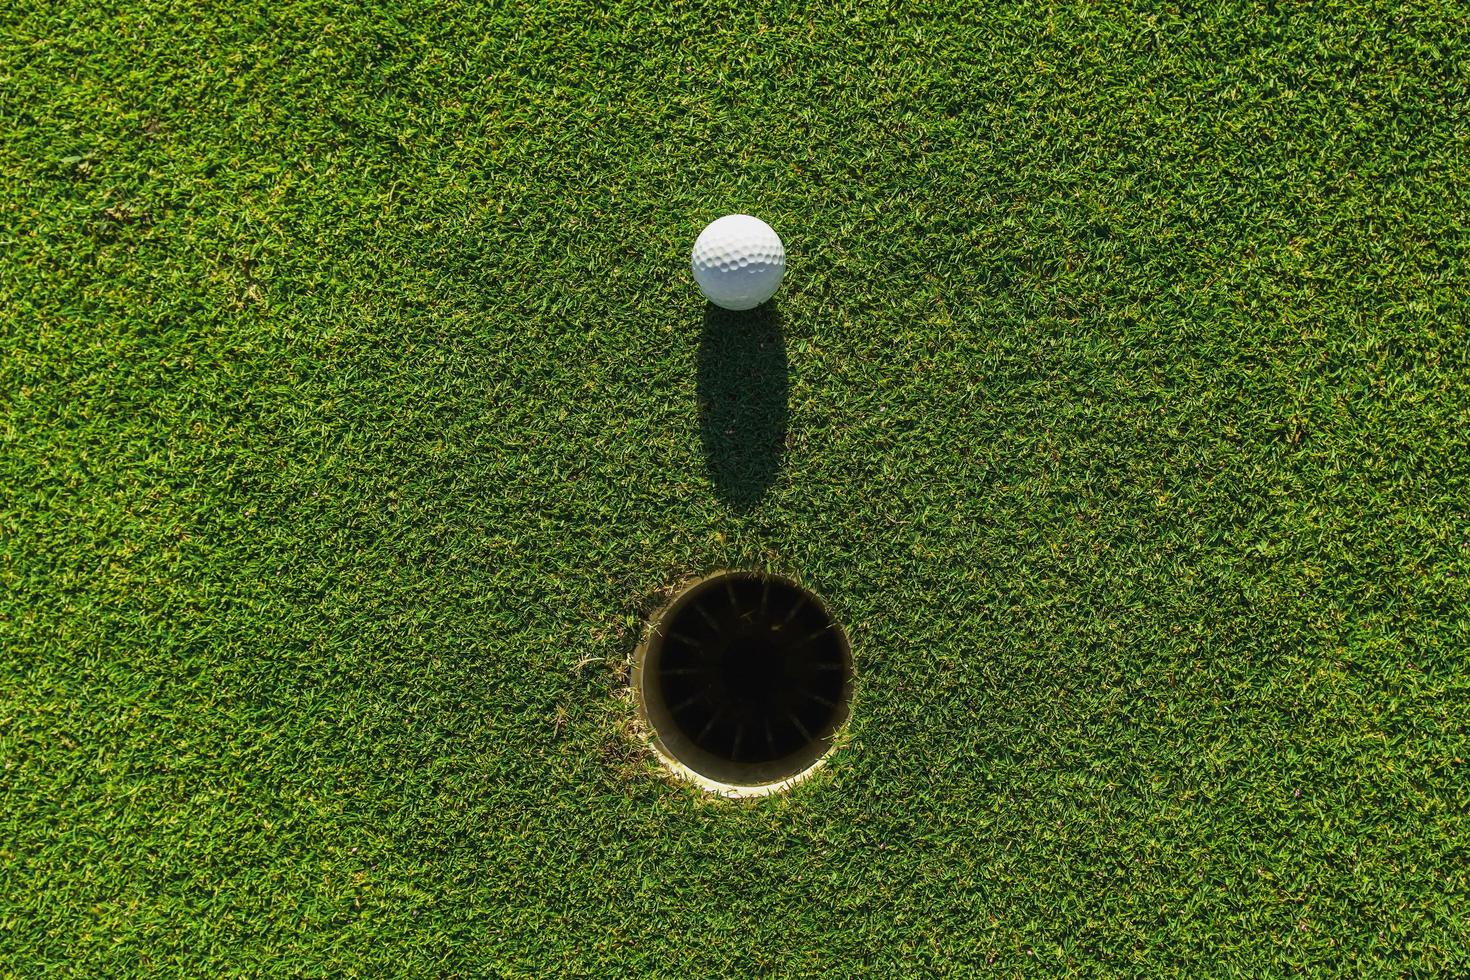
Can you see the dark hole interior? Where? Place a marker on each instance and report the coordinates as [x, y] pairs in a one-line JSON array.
[[752, 670]]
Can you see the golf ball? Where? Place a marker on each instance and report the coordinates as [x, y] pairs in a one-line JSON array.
[[738, 262]]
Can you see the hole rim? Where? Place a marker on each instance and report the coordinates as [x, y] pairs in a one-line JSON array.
[[677, 751]]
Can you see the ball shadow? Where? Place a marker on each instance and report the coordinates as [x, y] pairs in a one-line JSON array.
[[742, 387]]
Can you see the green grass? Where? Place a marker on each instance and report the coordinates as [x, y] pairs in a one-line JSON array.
[[350, 424]]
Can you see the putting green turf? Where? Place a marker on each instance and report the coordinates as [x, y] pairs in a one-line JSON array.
[[1117, 400]]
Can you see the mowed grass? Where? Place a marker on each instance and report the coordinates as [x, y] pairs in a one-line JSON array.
[[350, 424]]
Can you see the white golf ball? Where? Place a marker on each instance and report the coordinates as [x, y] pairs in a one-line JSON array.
[[738, 262]]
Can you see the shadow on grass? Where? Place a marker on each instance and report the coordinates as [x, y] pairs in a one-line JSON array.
[[743, 389]]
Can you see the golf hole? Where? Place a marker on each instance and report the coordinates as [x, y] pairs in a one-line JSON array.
[[743, 681]]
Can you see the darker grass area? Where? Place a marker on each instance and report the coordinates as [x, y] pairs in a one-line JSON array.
[[356, 405], [743, 390]]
